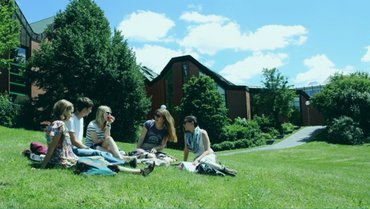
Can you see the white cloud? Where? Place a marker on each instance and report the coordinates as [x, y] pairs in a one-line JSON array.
[[270, 37], [211, 33], [319, 70], [146, 26], [196, 17], [246, 69], [196, 7], [210, 38], [155, 57], [366, 57]]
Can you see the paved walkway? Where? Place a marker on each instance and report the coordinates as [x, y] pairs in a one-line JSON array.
[[296, 139]]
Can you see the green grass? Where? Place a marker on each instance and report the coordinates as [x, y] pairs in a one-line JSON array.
[[315, 175]]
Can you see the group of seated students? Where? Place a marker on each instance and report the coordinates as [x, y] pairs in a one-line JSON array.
[[65, 133]]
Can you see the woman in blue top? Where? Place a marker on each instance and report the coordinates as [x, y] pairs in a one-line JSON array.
[[156, 133]]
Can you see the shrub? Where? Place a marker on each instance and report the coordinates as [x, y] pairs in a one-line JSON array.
[[241, 129], [288, 128], [8, 111], [263, 122], [243, 143], [266, 136], [233, 132], [274, 133], [226, 145], [344, 130], [258, 141]]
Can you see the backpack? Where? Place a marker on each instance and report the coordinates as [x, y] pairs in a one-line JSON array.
[[93, 166], [38, 148]]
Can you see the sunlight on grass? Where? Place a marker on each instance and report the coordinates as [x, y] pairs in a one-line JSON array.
[[315, 175]]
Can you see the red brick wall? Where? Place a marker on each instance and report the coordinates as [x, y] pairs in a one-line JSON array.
[[310, 115], [237, 103]]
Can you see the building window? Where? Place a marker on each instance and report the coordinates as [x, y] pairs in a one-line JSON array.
[[296, 103], [17, 81], [222, 92]]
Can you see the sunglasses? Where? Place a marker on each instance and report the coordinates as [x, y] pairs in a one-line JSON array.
[[157, 115], [186, 121], [108, 113]]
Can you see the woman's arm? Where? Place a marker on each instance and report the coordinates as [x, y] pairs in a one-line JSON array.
[[161, 146], [207, 147], [141, 138], [54, 143], [94, 138], [107, 130]]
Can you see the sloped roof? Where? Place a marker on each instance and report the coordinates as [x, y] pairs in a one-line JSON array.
[[148, 73], [40, 26], [215, 76]]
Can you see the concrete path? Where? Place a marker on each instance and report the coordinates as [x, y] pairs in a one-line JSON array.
[[302, 136]]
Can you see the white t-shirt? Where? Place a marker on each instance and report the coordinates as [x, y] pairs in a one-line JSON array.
[[76, 125]]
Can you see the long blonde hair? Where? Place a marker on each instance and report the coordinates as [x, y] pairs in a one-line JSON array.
[[99, 118], [169, 123], [59, 109]]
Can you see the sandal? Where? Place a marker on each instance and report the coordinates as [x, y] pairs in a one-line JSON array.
[[147, 170], [133, 163]]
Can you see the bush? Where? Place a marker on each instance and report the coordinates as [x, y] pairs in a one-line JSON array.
[[344, 130], [288, 128], [274, 133], [241, 129], [8, 111], [226, 145], [263, 122]]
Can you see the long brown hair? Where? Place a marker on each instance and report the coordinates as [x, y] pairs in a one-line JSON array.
[[169, 123]]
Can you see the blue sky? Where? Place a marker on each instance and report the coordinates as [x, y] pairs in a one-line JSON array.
[[306, 40]]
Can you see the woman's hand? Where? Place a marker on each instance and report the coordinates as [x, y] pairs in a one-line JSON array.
[[110, 119], [195, 162]]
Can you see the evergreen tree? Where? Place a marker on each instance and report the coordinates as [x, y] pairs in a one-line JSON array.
[[9, 32], [125, 92], [72, 60], [81, 58], [202, 99]]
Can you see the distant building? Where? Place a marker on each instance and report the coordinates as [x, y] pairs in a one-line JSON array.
[[13, 80], [309, 114], [166, 88]]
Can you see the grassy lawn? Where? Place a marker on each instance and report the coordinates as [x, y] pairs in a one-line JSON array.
[[315, 175]]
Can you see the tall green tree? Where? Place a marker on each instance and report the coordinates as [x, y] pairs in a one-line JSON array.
[[202, 99], [80, 57], [9, 32], [346, 95], [73, 58], [276, 99], [125, 91]]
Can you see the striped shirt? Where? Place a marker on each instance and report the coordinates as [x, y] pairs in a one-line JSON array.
[[93, 127]]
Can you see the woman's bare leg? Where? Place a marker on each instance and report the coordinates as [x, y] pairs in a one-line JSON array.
[[144, 172], [112, 147]]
